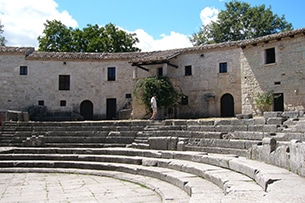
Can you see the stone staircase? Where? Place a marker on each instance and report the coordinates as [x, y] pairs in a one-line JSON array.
[[202, 176], [202, 160], [70, 134]]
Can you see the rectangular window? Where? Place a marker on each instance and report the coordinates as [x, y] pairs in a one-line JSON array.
[[63, 103], [188, 70], [160, 72], [128, 96], [111, 74], [270, 56], [223, 67], [64, 82], [23, 70], [41, 103]]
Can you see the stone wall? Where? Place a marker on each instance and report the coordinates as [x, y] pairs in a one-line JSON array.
[[247, 74], [284, 76], [88, 81], [206, 85], [290, 156]]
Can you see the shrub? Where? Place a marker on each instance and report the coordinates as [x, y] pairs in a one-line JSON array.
[[264, 101]]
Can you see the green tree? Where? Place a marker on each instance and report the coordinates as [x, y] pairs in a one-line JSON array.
[[93, 38], [241, 21], [2, 38], [159, 85], [56, 37], [264, 101]]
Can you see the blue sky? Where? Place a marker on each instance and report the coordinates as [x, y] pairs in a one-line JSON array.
[[159, 24], [163, 16]]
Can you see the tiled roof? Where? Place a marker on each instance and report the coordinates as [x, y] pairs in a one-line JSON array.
[[142, 57], [155, 56], [81, 56], [272, 37], [20, 50]]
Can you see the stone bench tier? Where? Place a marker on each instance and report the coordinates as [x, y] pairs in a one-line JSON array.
[[194, 178], [232, 128], [168, 192], [273, 180]]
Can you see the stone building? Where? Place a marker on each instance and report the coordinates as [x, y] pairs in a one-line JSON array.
[[218, 80]]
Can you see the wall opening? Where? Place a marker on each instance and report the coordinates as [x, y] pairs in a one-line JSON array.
[[227, 106], [86, 109]]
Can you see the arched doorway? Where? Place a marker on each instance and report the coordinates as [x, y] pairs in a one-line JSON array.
[[86, 109], [227, 106]]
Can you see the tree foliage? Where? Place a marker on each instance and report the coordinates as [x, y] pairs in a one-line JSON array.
[[166, 94], [241, 21], [2, 38], [59, 38], [264, 101]]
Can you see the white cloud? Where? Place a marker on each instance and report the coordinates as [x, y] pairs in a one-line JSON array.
[[208, 15], [23, 20], [23, 23], [172, 41]]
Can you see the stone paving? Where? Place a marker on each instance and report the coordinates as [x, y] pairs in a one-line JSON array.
[[59, 187]]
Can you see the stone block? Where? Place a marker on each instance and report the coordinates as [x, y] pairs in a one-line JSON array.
[[297, 157], [172, 143], [163, 143], [224, 128], [244, 116], [269, 128], [223, 122], [247, 135], [290, 114], [259, 120], [276, 120], [272, 114], [181, 146], [269, 144], [204, 122]]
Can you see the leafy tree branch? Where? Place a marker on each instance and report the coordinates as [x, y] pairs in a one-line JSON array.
[[159, 85], [57, 37]]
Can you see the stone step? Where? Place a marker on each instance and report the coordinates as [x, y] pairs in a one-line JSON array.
[[139, 145], [141, 140], [272, 179], [231, 128], [215, 174], [168, 192], [217, 150], [191, 184], [187, 134], [224, 143], [74, 133], [85, 145], [81, 123], [279, 183], [279, 136]]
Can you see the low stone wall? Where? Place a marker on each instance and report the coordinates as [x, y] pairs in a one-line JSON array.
[[290, 156], [277, 138], [17, 116]]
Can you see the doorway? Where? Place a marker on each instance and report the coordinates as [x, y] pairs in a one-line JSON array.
[[278, 102], [111, 108], [227, 106], [86, 109]]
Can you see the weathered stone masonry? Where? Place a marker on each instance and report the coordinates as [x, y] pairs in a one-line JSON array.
[[219, 80]]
